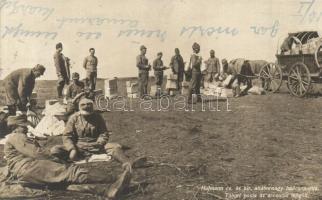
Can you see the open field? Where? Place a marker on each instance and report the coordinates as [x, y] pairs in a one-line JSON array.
[[264, 140]]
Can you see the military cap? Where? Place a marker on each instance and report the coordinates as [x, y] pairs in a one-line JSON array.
[[20, 120], [142, 47], [212, 51], [59, 45], [40, 68], [195, 46], [160, 53], [85, 101], [75, 75]]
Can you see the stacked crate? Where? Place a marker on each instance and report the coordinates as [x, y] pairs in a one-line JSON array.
[[132, 89], [185, 88], [172, 83]]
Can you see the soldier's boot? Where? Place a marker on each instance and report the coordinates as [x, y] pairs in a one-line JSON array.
[[116, 189], [237, 91]]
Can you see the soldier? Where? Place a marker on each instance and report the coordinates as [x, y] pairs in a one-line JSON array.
[[86, 133], [73, 90], [177, 66], [30, 163], [195, 65], [158, 72], [212, 68], [62, 69], [19, 85], [144, 68], [90, 65], [224, 74]]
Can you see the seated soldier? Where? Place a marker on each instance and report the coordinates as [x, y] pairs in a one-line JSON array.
[[30, 163], [73, 90], [86, 134]]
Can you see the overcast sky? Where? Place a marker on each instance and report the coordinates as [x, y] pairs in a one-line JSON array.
[[31, 28]]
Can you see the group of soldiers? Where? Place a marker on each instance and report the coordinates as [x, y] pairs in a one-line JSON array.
[[177, 64], [20, 83], [85, 133]]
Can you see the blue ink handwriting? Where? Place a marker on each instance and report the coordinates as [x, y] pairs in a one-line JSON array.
[[89, 35], [144, 33], [18, 32], [14, 7], [262, 30], [95, 21], [207, 31], [307, 13]]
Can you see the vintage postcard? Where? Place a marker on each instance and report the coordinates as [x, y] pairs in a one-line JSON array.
[[169, 99]]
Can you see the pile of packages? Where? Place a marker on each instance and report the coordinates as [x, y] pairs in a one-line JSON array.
[[216, 89], [132, 89], [308, 48], [50, 124], [311, 46]]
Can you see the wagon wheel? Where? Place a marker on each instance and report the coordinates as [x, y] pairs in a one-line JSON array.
[[271, 77], [299, 80]]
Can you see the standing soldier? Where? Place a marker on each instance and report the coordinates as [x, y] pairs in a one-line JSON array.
[[195, 65], [62, 69], [212, 67], [144, 68], [158, 72], [19, 85], [90, 65], [177, 66]]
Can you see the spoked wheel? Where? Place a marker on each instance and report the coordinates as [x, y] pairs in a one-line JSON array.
[[299, 80], [271, 77]]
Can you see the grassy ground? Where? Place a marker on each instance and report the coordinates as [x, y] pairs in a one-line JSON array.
[[271, 140]]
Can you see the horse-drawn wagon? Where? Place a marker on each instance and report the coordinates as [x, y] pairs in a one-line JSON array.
[[300, 58]]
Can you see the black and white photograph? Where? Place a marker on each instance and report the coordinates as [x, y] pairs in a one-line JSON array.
[[161, 99]]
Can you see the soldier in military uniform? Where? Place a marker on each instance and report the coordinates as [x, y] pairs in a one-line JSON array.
[[29, 162], [90, 65], [195, 65], [177, 66], [73, 90], [86, 134], [158, 72], [19, 85], [62, 69], [212, 68], [144, 67]]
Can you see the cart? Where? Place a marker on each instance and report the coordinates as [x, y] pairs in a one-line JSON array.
[[300, 58]]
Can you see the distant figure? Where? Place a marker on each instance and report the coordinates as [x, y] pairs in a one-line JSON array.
[[195, 65], [241, 72], [62, 69], [144, 67], [19, 85], [158, 73], [224, 74], [73, 90], [177, 66], [90, 65], [212, 68], [288, 43]]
